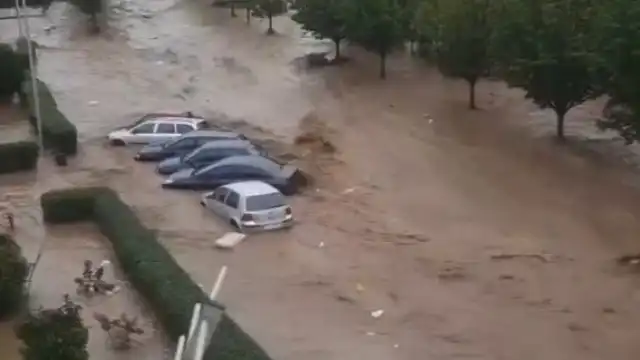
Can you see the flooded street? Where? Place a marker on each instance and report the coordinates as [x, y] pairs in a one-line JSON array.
[[478, 235]]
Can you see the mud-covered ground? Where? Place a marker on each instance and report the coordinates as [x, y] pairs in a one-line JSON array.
[[477, 234]]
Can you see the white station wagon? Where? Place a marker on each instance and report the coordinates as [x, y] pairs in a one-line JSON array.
[[157, 129], [250, 205]]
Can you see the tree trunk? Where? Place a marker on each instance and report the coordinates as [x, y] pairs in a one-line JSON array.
[[336, 41], [560, 124], [472, 92], [233, 10], [248, 15], [383, 65], [94, 27], [270, 31]]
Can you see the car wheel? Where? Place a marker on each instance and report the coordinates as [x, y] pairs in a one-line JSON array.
[[235, 225], [117, 142]]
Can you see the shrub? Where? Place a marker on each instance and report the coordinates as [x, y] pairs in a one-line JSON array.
[[18, 156], [150, 267], [13, 272], [58, 132], [54, 334]]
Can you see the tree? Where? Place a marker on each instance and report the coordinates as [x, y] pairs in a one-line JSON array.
[[12, 72], [269, 9], [54, 334], [461, 44], [323, 18], [91, 8], [377, 25], [619, 49], [13, 272], [544, 48]]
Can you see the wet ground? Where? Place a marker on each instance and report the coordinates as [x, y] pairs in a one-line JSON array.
[[477, 234]]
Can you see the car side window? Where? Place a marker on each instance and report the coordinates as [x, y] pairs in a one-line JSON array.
[[165, 128], [146, 128], [233, 199], [220, 194], [183, 128], [184, 144], [253, 173]]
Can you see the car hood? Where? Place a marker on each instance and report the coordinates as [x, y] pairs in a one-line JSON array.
[[119, 132], [151, 149], [172, 164], [182, 175]]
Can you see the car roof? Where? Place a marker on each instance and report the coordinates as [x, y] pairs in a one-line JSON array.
[[187, 120], [227, 144], [252, 188], [169, 114], [212, 133]]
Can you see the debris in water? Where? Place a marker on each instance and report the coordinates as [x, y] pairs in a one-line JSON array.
[[627, 260], [159, 62], [359, 287], [93, 102], [370, 333], [378, 313], [395, 346], [542, 257], [348, 191], [321, 245], [230, 240]]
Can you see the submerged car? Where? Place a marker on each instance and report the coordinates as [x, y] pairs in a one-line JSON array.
[[250, 205], [184, 144], [208, 154], [285, 178], [156, 129]]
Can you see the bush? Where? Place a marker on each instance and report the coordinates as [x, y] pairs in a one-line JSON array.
[[18, 156], [58, 132], [13, 272], [54, 334], [150, 267]]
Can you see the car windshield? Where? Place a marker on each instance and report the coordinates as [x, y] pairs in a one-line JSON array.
[[265, 202]]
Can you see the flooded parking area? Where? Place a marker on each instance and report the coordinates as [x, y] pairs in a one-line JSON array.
[[475, 233]]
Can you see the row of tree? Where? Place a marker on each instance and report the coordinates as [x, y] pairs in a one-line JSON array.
[[561, 52]]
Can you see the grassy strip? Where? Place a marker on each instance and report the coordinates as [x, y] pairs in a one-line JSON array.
[[150, 267], [58, 132], [18, 156]]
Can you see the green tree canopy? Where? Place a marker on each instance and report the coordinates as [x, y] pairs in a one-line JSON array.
[[377, 25], [462, 39], [12, 72], [545, 48], [619, 49], [323, 18]]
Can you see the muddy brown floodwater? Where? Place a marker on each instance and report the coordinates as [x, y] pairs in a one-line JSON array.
[[477, 234]]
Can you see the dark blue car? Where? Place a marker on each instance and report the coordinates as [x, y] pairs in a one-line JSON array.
[[285, 178], [184, 144], [207, 154]]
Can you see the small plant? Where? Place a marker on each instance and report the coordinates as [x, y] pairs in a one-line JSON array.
[[119, 330], [13, 272], [54, 334]]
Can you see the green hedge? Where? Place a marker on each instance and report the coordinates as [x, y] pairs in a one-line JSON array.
[[18, 156], [13, 272], [58, 132], [150, 267]]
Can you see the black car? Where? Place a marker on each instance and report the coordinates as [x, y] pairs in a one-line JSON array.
[[285, 178], [184, 144], [208, 154]]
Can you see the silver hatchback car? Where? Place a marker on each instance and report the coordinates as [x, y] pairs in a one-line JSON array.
[[156, 130], [250, 205]]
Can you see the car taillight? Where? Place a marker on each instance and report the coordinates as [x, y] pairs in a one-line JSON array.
[[288, 211], [246, 217]]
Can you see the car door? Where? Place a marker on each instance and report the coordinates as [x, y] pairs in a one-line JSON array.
[[232, 204], [184, 128], [216, 201], [141, 134], [165, 131], [212, 178]]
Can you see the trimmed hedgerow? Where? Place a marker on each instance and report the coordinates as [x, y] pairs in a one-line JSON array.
[[18, 156], [58, 132], [149, 266], [13, 273]]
